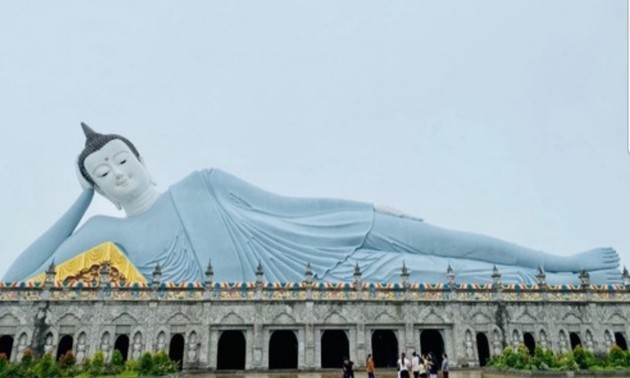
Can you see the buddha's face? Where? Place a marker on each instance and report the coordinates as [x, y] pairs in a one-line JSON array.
[[117, 172]]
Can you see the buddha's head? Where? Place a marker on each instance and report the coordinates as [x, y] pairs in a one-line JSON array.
[[111, 165]]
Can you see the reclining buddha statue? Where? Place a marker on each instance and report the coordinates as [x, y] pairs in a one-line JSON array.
[[213, 216]]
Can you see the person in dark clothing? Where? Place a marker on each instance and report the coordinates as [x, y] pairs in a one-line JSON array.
[[346, 367], [433, 370]]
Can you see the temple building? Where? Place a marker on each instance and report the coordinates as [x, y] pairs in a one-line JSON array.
[[304, 325]]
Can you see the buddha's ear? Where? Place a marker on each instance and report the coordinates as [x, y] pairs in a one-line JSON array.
[[84, 183], [151, 180]]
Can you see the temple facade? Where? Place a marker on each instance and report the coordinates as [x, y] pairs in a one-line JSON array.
[[307, 325]]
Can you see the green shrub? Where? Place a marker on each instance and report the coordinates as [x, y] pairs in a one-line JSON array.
[[584, 358], [46, 367], [13, 371], [146, 364], [4, 361], [567, 361], [117, 359], [616, 357], [27, 358], [97, 367], [67, 360], [131, 369], [162, 365], [86, 365]]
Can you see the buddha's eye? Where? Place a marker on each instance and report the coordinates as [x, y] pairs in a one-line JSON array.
[[123, 162], [102, 171]]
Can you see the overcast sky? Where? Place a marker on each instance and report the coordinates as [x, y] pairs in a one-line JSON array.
[[506, 118]]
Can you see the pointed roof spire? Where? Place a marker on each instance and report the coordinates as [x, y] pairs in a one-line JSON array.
[[405, 271], [449, 269]]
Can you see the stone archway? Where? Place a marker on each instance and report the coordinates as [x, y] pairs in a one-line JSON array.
[[575, 340], [176, 349], [483, 348], [65, 345], [530, 343], [334, 348], [620, 340], [384, 348], [431, 341], [122, 345], [231, 351], [283, 350], [6, 346]]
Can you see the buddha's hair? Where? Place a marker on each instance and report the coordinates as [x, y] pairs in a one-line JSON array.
[[94, 142]]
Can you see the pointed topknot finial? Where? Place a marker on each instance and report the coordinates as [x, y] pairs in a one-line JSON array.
[[90, 134]]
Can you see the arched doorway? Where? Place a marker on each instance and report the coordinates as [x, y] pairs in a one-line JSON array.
[[334, 348], [483, 349], [529, 342], [122, 345], [384, 348], [6, 346], [620, 340], [283, 350], [176, 350], [231, 351], [65, 345], [431, 341], [575, 340]]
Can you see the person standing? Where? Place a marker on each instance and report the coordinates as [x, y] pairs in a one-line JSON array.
[[427, 365], [348, 371], [433, 370], [403, 366], [444, 365], [369, 366], [415, 365]]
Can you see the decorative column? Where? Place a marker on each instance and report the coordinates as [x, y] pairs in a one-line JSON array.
[[625, 276], [259, 280], [358, 282], [104, 275], [404, 280], [209, 284], [450, 278], [541, 280], [308, 281], [585, 284], [497, 285], [155, 280], [49, 281]]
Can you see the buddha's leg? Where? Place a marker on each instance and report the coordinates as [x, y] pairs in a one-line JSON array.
[[399, 234], [379, 266]]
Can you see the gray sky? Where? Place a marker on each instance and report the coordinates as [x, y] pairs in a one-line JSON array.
[[507, 118]]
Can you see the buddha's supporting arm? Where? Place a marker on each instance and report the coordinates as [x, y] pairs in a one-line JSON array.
[[43, 248]]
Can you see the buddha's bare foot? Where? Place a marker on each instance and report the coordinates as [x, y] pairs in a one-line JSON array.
[[595, 259], [611, 276]]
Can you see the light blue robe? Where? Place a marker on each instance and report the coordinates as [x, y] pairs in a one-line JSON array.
[[212, 215]]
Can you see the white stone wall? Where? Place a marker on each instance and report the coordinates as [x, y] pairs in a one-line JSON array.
[[593, 322]]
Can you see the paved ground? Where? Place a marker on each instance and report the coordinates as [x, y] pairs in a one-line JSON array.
[[327, 374]]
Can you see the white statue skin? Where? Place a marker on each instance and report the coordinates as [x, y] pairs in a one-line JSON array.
[[121, 178]]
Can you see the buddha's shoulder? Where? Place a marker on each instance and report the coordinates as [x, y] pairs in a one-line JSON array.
[[101, 221], [209, 176]]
